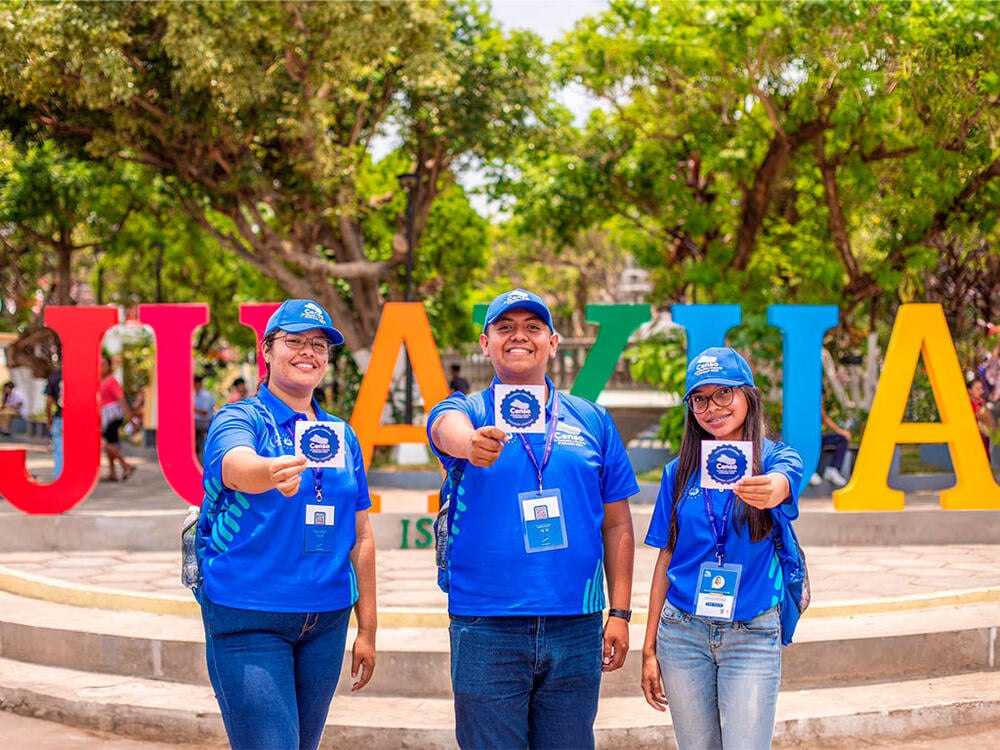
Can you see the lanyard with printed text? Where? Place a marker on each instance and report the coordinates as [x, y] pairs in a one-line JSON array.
[[719, 532], [317, 472], [550, 437]]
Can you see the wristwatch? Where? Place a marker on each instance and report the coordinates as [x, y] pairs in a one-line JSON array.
[[625, 614]]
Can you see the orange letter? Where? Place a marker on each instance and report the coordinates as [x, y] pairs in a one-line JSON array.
[[920, 329], [402, 323]]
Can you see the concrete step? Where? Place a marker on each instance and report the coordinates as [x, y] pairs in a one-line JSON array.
[[187, 714], [405, 523], [415, 661]]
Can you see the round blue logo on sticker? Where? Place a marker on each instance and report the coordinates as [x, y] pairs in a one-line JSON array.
[[726, 464], [319, 443], [520, 408]]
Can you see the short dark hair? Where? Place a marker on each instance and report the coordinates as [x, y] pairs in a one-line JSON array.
[[239, 381]]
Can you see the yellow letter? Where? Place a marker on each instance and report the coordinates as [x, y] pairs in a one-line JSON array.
[[402, 323], [920, 329]]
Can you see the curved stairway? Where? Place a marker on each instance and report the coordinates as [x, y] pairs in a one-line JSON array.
[[95, 631]]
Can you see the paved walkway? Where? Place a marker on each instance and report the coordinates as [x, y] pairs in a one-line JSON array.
[[839, 574]]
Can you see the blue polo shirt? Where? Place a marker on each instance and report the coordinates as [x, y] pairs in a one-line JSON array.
[[255, 544], [491, 573], [761, 583]]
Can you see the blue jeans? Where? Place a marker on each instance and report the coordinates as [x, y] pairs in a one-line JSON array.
[[720, 678], [56, 433], [523, 682], [273, 673]]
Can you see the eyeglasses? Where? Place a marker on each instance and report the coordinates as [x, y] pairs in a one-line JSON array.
[[320, 344], [721, 397], [531, 327]]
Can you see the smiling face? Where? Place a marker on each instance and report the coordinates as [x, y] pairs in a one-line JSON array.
[[519, 344], [723, 422], [293, 374]]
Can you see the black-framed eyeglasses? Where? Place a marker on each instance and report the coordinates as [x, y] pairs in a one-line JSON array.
[[722, 397], [320, 344]]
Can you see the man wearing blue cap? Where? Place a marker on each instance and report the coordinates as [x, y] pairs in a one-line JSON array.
[[540, 519]]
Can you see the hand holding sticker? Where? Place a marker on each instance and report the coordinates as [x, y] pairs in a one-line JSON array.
[[321, 444], [725, 462], [519, 408]]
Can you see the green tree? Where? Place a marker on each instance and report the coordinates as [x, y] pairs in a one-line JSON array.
[[768, 152], [266, 114], [55, 211]]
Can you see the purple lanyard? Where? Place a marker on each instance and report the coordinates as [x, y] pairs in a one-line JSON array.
[[317, 472], [719, 532], [550, 438]]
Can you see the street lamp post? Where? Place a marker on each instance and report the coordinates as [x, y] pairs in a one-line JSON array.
[[158, 246], [410, 182]]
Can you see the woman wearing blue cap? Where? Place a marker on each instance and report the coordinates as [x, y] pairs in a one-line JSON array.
[[714, 653], [287, 547]]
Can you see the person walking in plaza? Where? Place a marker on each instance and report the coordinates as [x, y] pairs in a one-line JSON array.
[[114, 411], [457, 382], [54, 419], [13, 406], [287, 546], [541, 519], [984, 419], [237, 391], [712, 650], [204, 408]]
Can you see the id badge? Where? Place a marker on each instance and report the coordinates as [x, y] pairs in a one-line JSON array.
[[319, 528], [718, 586], [542, 520]]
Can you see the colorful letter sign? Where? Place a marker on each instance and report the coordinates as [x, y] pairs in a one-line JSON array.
[[919, 329]]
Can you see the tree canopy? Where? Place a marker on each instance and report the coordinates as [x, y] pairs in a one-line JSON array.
[[842, 152], [266, 115], [762, 152]]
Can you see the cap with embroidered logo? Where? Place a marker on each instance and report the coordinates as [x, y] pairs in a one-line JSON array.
[[718, 366], [518, 299], [298, 315]]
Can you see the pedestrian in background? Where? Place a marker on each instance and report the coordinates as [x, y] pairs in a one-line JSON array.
[[457, 382], [719, 674], [204, 408], [544, 520], [237, 391], [288, 551], [12, 406], [114, 411], [54, 419]]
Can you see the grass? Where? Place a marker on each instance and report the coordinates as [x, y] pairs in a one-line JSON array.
[[910, 463]]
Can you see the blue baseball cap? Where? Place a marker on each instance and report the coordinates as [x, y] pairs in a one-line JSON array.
[[519, 299], [298, 315], [718, 366]]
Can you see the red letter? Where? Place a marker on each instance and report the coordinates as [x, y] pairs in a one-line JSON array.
[[80, 330]]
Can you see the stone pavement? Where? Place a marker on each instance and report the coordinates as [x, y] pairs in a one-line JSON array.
[[900, 639], [855, 574]]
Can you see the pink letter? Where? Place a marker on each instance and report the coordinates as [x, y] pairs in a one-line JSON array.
[[173, 326]]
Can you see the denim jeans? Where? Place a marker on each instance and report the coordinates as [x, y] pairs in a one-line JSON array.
[[523, 682], [56, 433], [720, 678], [274, 673]]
